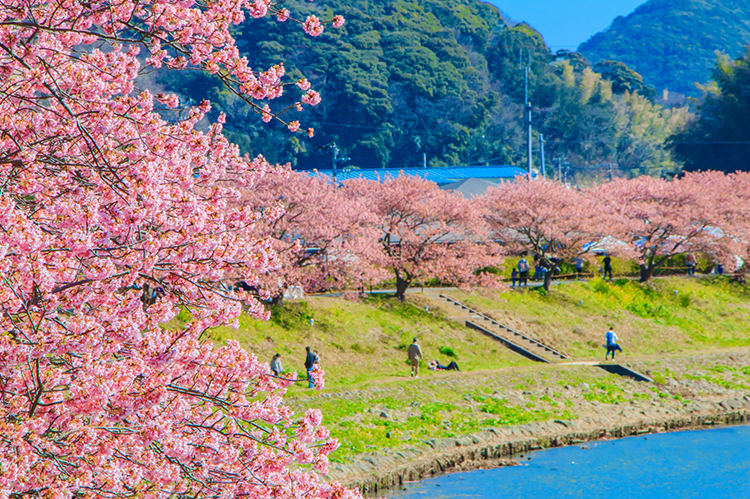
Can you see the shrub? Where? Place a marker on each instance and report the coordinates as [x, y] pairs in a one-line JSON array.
[[448, 351]]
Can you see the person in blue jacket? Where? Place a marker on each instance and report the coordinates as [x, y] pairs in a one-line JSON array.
[[612, 346]]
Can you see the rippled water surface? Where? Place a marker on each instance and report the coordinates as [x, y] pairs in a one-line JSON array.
[[696, 464]]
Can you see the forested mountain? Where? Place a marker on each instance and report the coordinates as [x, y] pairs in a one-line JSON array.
[[673, 44], [719, 139], [405, 78]]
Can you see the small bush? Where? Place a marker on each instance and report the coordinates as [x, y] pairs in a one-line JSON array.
[[685, 300], [448, 351], [600, 286], [366, 349]]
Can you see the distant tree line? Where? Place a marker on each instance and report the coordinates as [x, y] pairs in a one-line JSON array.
[[406, 229]]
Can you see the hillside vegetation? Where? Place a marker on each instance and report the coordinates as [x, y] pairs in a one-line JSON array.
[[408, 78], [666, 316], [363, 343], [672, 44], [719, 138]]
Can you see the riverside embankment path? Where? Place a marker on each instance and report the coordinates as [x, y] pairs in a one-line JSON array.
[[483, 418], [699, 390]]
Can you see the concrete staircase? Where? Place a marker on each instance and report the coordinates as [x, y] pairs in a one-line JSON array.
[[519, 342], [516, 341]]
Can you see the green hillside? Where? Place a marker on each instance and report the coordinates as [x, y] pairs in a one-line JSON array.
[[362, 345], [408, 78], [673, 44]]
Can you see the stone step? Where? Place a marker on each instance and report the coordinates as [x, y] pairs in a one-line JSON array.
[[501, 330], [509, 344]]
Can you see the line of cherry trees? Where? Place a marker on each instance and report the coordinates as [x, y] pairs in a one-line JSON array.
[[407, 229]]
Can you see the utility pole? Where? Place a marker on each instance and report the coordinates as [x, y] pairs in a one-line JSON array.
[[541, 144], [424, 160], [527, 115]]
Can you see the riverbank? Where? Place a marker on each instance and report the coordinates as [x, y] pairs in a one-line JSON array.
[[689, 335], [692, 392], [492, 449]]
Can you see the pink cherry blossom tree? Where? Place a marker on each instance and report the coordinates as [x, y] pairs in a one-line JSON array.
[[544, 217], [734, 205], [423, 232], [317, 235], [112, 220], [651, 219]]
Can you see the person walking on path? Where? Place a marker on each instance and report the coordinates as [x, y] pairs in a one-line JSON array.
[[309, 365], [612, 345], [523, 270], [607, 266], [415, 354], [513, 278], [276, 367], [578, 262], [690, 263]]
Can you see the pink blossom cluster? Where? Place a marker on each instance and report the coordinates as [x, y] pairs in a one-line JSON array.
[[644, 219], [313, 26], [112, 222], [315, 215]]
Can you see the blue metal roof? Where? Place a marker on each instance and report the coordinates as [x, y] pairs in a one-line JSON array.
[[443, 175]]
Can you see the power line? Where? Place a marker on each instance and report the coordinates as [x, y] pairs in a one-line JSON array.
[[554, 141], [351, 126], [722, 142]]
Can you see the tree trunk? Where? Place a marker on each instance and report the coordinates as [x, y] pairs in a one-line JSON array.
[[277, 299], [401, 286], [548, 278], [550, 267], [647, 271]]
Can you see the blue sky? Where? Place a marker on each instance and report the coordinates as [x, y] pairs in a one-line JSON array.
[[566, 24]]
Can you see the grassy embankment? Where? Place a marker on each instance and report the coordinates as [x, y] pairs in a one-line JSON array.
[[370, 402], [669, 315]]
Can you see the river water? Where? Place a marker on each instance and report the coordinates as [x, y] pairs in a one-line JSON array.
[[693, 464]]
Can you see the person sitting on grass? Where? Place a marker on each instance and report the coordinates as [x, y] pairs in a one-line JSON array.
[[436, 366]]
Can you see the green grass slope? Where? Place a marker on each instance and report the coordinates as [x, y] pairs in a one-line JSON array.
[[371, 404], [667, 315], [364, 341]]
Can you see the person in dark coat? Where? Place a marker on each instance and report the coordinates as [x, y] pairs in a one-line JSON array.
[[309, 365], [607, 267], [437, 366]]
